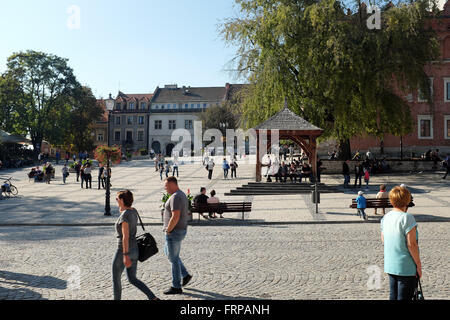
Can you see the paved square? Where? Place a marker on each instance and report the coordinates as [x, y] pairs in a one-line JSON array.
[[283, 250]]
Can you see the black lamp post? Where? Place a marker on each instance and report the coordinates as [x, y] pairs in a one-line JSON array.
[[109, 107]]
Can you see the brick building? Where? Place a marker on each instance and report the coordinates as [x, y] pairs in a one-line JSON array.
[[431, 124]]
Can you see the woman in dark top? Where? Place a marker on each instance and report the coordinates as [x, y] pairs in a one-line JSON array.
[[127, 252]]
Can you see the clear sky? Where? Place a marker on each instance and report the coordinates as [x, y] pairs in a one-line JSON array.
[[134, 45]]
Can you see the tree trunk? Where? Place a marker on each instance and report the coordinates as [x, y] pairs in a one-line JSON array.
[[345, 152]]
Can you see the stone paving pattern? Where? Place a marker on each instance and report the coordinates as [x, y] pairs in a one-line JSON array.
[[281, 251]]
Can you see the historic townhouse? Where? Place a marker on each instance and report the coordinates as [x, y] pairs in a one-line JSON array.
[[129, 121], [431, 128], [174, 107], [100, 127]]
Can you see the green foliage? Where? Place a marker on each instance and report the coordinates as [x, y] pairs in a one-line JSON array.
[[334, 71], [103, 153], [215, 115]]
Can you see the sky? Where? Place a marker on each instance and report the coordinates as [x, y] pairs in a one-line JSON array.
[[132, 46]]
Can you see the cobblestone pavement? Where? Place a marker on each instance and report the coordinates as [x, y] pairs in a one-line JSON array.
[[311, 261]]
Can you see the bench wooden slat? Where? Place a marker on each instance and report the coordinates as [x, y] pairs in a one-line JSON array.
[[378, 203], [222, 207]]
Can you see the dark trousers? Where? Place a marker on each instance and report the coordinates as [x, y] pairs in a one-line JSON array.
[[356, 179], [446, 173], [173, 172], [101, 181], [402, 287], [233, 171], [88, 179], [210, 172], [78, 176]]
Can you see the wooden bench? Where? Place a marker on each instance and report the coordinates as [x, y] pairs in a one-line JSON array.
[[222, 207], [378, 203]]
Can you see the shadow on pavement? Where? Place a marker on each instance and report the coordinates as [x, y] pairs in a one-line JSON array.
[[27, 281], [206, 295]]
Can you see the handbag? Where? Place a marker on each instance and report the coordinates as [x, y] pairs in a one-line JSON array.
[[146, 244], [418, 293]]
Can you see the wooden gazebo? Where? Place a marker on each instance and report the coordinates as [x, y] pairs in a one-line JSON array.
[[290, 127]]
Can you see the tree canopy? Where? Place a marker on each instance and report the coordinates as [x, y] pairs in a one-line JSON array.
[[335, 71]]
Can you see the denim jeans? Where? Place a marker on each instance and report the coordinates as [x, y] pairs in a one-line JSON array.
[[361, 211], [346, 180], [173, 172], [172, 250], [117, 270], [225, 173], [402, 287]]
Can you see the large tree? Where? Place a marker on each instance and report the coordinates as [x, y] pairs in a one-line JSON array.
[[335, 71], [46, 84], [84, 111]]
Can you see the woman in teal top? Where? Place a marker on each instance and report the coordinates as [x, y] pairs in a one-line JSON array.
[[401, 250]]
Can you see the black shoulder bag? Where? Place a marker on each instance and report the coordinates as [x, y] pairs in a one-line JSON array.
[[418, 293], [146, 244]]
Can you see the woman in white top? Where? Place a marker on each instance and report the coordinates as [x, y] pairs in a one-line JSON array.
[[214, 199]]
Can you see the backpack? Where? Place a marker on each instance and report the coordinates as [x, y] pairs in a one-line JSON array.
[[366, 175]]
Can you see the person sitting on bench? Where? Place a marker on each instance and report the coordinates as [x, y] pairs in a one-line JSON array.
[[306, 172], [214, 199], [202, 198]]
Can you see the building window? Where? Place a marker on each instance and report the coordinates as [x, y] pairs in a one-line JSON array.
[[118, 120], [117, 136], [447, 127], [204, 105], [421, 96], [141, 119], [172, 124], [186, 106], [425, 126], [131, 106], [129, 120], [192, 106], [188, 124], [198, 105], [118, 106], [143, 105], [140, 135], [100, 136], [158, 124], [162, 106], [156, 107]]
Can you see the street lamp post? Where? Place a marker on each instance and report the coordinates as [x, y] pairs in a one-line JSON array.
[[109, 107]]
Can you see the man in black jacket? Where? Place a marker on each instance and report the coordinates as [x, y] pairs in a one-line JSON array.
[[359, 169], [202, 198], [346, 173]]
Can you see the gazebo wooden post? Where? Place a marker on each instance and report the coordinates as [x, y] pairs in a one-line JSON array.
[[312, 143], [258, 159]]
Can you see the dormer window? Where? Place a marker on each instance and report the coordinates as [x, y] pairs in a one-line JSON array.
[[143, 105], [131, 105]]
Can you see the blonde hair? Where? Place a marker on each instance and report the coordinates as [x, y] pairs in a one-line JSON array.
[[400, 197]]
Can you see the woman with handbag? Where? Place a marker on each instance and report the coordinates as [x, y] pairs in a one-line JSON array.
[[127, 253], [401, 250]]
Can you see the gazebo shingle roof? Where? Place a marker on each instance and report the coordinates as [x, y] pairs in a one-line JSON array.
[[287, 120]]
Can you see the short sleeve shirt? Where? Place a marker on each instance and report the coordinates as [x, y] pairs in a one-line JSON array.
[[177, 201], [395, 225], [129, 216]]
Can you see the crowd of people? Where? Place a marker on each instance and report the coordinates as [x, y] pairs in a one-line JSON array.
[[296, 170]]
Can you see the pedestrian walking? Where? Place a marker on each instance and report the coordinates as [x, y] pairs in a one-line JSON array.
[[48, 172], [366, 178], [399, 236], [225, 167], [77, 166], [446, 164], [88, 175], [210, 168], [175, 167], [166, 168], [346, 173], [361, 205], [156, 162], [175, 228], [65, 173], [82, 175], [101, 180], [161, 170], [358, 173], [233, 167], [127, 252]]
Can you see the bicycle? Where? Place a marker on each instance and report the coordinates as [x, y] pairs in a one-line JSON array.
[[9, 189]]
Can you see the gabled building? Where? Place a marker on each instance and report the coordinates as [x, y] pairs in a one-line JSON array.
[[174, 107], [100, 127], [129, 121]]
